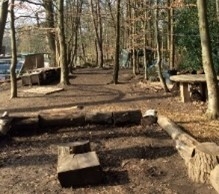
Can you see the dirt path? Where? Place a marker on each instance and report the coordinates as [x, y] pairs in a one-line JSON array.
[[135, 159]]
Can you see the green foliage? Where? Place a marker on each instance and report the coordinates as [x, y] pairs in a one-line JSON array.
[[188, 38]]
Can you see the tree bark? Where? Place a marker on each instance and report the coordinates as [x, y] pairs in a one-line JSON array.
[[117, 48], [48, 4], [158, 42], [97, 23], [211, 79], [214, 178], [203, 161], [13, 76], [64, 80], [3, 19]]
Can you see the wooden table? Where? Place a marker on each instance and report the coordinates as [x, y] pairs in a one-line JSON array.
[[186, 80]]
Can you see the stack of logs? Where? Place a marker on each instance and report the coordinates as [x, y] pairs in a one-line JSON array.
[[201, 159]]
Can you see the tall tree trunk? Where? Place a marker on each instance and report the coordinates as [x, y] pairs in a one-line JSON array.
[[134, 54], [217, 9], [158, 43], [116, 67], [3, 18], [172, 45], [14, 54], [48, 4], [210, 74], [64, 80], [97, 23]]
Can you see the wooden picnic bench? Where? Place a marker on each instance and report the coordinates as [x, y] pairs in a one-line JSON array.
[[41, 76], [186, 80]]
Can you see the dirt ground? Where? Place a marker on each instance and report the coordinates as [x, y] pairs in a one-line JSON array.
[[134, 159]]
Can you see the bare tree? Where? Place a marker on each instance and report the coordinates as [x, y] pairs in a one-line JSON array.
[[14, 54], [64, 80], [97, 23], [210, 74], [158, 42], [3, 18], [48, 5], [116, 67]]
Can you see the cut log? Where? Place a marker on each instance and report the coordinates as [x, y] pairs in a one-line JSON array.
[[127, 117], [77, 147], [22, 126], [61, 117], [149, 117], [214, 178], [204, 160], [200, 158], [5, 123], [79, 170], [99, 118], [185, 144], [169, 126]]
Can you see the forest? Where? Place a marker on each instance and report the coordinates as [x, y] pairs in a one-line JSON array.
[[121, 104]]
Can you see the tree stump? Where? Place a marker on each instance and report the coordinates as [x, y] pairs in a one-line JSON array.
[[149, 117], [77, 165], [127, 117], [79, 170], [77, 147], [203, 161], [5, 123], [214, 178], [99, 117]]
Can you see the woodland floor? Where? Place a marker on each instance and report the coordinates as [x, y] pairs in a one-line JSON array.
[[134, 159]]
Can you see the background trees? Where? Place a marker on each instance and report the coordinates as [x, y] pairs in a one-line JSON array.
[[94, 32]]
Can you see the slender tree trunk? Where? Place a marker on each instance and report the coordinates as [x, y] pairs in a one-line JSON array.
[[64, 80], [48, 4], [14, 54], [133, 42], [217, 9], [158, 42], [210, 74], [97, 23], [172, 45], [3, 19], [116, 67]]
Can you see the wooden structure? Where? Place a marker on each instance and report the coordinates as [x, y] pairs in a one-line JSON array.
[[186, 80], [41, 76], [32, 61]]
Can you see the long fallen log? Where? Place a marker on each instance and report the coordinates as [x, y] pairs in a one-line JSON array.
[[59, 117], [201, 159]]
